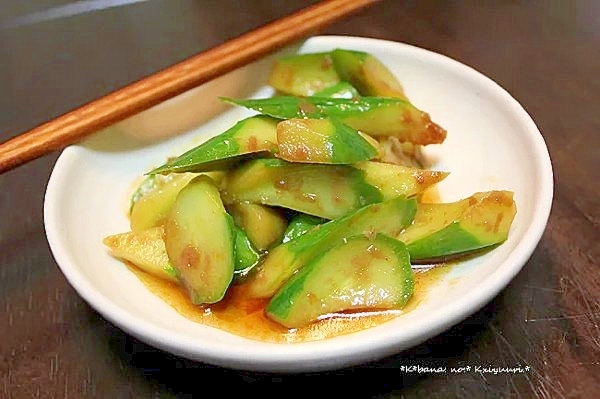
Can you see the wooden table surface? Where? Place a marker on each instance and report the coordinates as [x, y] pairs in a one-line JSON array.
[[56, 55]]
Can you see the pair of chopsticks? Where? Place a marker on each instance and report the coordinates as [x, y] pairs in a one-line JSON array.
[[154, 89]]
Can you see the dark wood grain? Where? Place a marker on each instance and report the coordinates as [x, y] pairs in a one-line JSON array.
[[545, 53]]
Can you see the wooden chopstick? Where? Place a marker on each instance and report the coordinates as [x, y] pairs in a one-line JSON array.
[[154, 89]]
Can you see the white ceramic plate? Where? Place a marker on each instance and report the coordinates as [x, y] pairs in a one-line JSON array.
[[492, 144]]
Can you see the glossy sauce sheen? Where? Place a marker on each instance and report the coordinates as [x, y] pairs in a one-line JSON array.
[[245, 317]]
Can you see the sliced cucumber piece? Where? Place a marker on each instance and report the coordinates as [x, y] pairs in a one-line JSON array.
[[442, 231], [145, 249], [359, 273], [399, 180], [200, 241], [246, 255], [264, 225], [327, 191], [388, 217], [154, 198], [367, 73], [324, 140], [256, 134], [300, 224], [339, 90], [303, 74], [375, 116]]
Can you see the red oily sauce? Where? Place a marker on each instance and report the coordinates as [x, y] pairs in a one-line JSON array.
[[245, 317]]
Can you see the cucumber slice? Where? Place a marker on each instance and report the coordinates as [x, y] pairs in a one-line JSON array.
[[263, 224], [375, 116], [367, 73], [145, 249], [246, 255], [388, 217], [360, 273], [152, 201], [200, 241], [443, 231], [399, 180], [303, 74], [324, 140], [327, 191], [300, 224], [256, 134], [339, 90]]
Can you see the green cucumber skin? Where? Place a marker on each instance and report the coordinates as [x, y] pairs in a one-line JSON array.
[[247, 257], [200, 241], [288, 107], [460, 228], [348, 146], [330, 283], [367, 73], [339, 90], [358, 222], [245, 254], [303, 74], [323, 141], [327, 191], [304, 188], [221, 151], [263, 225], [347, 63], [388, 217], [359, 56], [299, 225], [376, 116], [451, 240]]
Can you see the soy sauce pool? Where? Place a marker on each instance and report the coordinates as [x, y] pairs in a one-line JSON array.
[[245, 317]]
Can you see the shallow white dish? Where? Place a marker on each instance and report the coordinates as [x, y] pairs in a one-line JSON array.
[[492, 144]]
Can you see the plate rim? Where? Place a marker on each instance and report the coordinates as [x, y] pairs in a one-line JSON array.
[[325, 355]]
